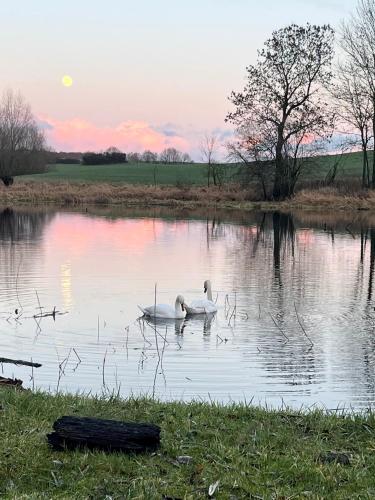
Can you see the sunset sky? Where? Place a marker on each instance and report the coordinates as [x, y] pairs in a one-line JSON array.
[[146, 74]]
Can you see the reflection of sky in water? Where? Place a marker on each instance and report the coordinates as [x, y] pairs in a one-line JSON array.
[[99, 269], [66, 284]]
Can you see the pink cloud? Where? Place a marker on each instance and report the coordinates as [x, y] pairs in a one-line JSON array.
[[78, 134]]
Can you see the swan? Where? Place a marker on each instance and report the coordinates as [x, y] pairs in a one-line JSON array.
[[165, 310], [203, 306]]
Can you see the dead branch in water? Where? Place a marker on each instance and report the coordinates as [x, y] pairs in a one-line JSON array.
[[279, 328], [302, 328], [52, 313], [20, 362]]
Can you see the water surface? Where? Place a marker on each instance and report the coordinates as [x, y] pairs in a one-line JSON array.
[[295, 294]]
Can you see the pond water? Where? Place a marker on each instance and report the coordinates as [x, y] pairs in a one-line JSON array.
[[296, 319]]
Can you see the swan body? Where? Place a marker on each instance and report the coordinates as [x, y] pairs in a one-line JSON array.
[[166, 311], [203, 306]]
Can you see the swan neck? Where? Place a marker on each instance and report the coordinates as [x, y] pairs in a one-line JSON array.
[[209, 292]]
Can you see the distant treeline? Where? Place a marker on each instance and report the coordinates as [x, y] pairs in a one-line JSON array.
[[113, 155], [104, 158]]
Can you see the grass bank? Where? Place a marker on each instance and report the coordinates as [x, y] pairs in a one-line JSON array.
[[253, 453], [232, 196]]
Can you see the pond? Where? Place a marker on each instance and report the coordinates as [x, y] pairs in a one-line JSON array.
[[295, 323]]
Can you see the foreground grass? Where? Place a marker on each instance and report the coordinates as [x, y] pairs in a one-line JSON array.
[[253, 453]]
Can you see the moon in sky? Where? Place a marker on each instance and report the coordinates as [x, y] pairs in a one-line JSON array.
[[67, 81]]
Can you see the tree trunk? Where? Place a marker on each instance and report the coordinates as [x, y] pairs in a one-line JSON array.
[[280, 187], [373, 131], [364, 167], [107, 435]]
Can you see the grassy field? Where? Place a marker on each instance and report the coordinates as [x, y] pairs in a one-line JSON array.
[[252, 453], [130, 173], [180, 174]]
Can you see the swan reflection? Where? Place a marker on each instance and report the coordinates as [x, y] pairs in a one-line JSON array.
[[200, 322], [164, 325], [197, 323]]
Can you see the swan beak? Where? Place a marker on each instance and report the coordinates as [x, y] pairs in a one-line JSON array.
[[205, 290], [183, 307]]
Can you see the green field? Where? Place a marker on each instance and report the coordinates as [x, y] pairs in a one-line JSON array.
[[129, 173], [184, 174]]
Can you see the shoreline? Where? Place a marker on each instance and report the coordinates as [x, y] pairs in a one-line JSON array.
[[253, 452], [231, 197]]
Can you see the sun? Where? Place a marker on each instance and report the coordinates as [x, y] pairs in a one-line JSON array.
[[67, 81]]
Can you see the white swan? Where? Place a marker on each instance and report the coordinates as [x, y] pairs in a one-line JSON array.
[[203, 306], [165, 310]]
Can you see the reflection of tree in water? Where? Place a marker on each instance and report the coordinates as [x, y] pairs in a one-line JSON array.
[[18, 226], [20, 237]]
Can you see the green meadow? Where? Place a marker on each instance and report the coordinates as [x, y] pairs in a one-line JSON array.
[[246, 452], [184, 174], [129, 173]]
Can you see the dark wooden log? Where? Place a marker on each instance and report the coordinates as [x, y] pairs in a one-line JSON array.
[[20, 362], [107, 435], [11, 381]]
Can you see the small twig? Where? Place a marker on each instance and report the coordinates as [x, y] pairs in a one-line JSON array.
[[103, 368], [75, 352], [18, 298], [40, 307], [32, 375], [279, 328], [126, 343], [302, 328]]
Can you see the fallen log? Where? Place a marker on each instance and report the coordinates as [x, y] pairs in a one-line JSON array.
[[106, 435], [20, 362], [11, 381]]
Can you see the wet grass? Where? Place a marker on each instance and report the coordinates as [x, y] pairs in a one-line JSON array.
[[253, 453]]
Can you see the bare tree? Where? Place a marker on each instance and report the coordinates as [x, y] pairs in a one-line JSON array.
[[283, 101], [255, 159], [22, 143], [185, 158], [358, 44], [355, 109], [208, 148], [149, 157], [134, 157], [170, 155]]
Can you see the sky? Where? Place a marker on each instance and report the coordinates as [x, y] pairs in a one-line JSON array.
[[146, 75]]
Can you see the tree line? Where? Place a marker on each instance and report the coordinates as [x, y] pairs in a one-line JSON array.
[[168, 155], [114, 155]]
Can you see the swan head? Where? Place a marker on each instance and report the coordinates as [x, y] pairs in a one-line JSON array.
[[207, 285], [180, 300]]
